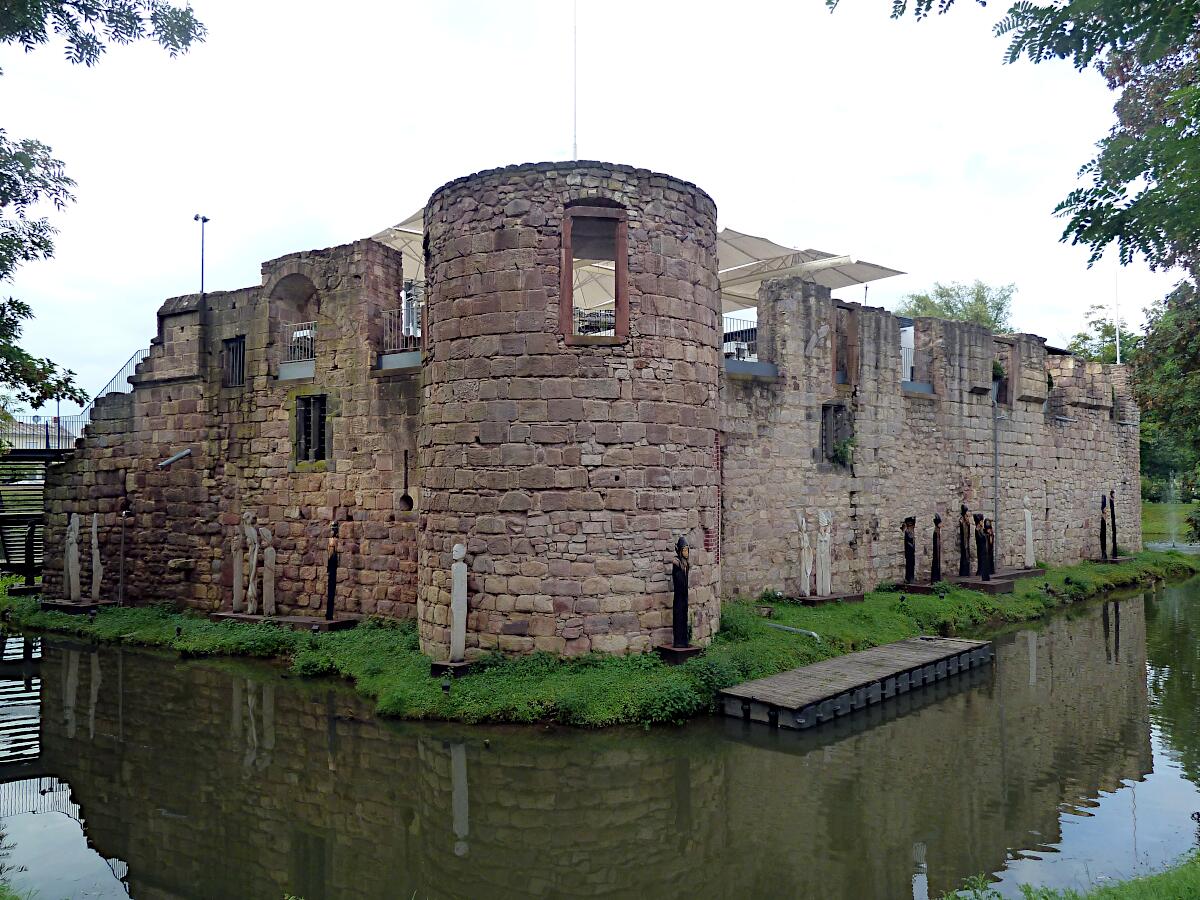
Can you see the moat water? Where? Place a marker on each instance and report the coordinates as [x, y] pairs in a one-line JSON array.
[[1074, 761]]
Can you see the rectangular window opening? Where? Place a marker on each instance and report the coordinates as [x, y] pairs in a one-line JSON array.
[[233, 357], [837, 434], [594, 301], [310, 428]]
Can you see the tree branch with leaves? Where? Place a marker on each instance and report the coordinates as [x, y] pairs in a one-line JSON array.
[[32, 179]]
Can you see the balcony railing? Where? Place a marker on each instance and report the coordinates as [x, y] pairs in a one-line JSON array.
[[597, 322], [402, 327], [739, 338], [300, 341]]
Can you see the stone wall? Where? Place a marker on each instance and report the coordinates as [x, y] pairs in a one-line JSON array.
[[569, 464], [182, 518], [568, 468], [919, 447]]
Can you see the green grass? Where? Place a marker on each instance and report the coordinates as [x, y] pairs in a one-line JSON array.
[[1178, 883], [382, 657], [1156, 520]]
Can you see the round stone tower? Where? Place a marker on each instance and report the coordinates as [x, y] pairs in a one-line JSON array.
[[569, 425]]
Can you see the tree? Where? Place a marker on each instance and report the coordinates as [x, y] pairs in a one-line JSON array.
[[1099, 341], [979, 303], [1142, 194], [31, 178], [1166, 369]]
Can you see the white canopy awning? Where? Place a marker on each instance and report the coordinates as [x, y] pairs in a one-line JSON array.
[[745, 262]]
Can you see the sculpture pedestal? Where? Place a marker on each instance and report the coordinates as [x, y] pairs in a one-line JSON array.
[[82, 607], [819, 599], [994, 586], [908, 587], [673, 656], [1012, 574], [296, 623], [453, 669]]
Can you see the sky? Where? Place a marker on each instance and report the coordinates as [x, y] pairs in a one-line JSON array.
[[301, 125]]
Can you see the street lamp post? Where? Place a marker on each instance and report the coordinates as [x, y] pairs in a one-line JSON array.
[[203, 220]]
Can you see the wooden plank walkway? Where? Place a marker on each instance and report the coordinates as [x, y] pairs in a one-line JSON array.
[[804, 697]]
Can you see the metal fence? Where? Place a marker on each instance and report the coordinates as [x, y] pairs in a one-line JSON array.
[[118, 384], [907, 363], [739, 338], [402, 327], [300, 340], [598, 322], [43, 432]]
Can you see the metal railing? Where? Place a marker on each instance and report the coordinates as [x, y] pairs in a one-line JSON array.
[[907, 363], [402, 327], [300, 341], [118, 384], [739, 338], [43, 432], [596, 322]]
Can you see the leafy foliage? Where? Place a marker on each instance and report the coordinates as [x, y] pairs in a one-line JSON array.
[[1098, 342], [31, 177], [88, 25], [1167, 369], [1142, 192], [979, 303]]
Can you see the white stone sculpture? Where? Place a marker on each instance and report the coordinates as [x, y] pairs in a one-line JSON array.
[[237, 560], [458, 604], [1030, 562], [824, 561], [97, 567], [268, 594], [806, 558], [251, 534], [71, 560]]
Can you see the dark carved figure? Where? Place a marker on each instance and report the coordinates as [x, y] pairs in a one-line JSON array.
[[981, 553], [989, 532], [909, 530], [331, 585], [1103, 527], [935, 569], [1112, 520], [679, 608], [964, 542]]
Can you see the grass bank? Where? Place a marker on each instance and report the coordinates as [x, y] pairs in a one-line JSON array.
[[384, 661], [1157, 519], [1179, 882]]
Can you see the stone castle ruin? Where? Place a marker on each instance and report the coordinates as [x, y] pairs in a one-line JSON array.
[[542, 371]]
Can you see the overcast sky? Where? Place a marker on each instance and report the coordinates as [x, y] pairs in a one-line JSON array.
[[301, 125]]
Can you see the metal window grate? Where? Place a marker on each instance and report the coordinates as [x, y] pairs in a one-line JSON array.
[[300, 341], [233, 356], [600, 322], [310, 428], [739, 339]]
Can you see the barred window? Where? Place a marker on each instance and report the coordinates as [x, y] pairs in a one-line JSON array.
[[233, 361], [310, 428]]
